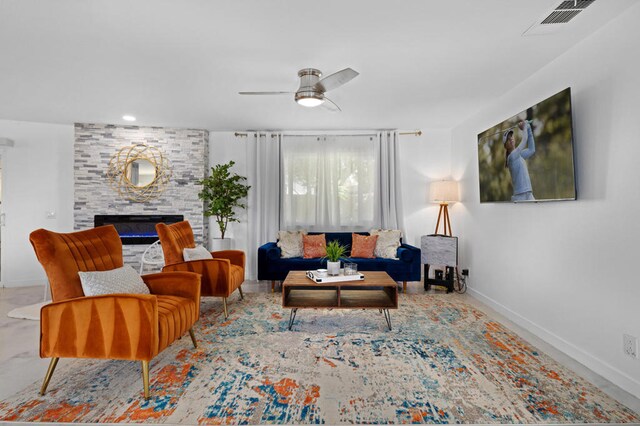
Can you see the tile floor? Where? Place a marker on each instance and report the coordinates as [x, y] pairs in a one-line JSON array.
[[20, 364]]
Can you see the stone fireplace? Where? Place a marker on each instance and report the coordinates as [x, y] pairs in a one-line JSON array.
[[187, 152]]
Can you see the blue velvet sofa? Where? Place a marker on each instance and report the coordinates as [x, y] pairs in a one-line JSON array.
[[274, 268]]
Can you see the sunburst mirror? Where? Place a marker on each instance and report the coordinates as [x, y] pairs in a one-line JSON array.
[[139, 172]]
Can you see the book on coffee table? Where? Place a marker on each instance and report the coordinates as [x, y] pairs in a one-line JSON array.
[[313, 276]]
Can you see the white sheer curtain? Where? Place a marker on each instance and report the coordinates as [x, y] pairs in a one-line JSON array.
[[328, 182], [388, 201], [263, 174], [320, 183]]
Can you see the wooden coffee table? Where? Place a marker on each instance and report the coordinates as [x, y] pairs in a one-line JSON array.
[[376, 291]]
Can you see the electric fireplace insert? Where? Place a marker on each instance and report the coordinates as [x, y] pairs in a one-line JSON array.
[[136, 228]]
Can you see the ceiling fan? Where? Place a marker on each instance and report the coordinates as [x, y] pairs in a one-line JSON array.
[[311, 92]]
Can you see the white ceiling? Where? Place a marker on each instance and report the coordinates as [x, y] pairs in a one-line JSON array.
[[422, 63]]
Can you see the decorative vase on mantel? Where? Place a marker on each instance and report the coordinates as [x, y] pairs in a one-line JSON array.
[[218, 244], [333, 268]]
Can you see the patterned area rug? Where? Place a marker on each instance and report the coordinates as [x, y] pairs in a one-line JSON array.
[[444, 362]]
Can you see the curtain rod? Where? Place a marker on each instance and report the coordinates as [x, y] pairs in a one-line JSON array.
[[414, 133]]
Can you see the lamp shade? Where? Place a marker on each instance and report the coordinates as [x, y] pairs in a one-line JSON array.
[[444, 191]]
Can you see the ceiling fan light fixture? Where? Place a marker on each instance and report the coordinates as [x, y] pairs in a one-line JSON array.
[[310, 102], [309, 99], [311, 91]]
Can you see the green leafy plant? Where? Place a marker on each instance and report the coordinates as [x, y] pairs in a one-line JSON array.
[[223, 193], [335, 251]]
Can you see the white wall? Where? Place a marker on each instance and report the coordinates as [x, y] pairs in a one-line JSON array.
[[566, 270], [422, 158], [37, 177]]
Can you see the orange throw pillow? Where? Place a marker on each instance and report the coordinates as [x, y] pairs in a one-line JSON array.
[[314, 246], [363, 245]]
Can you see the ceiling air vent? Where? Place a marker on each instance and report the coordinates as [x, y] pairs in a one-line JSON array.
[[565, 12]]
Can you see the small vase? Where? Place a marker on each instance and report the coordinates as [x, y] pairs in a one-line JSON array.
[[333, 268]]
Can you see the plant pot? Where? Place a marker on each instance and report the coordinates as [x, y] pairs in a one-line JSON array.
[[333, 268], [218, 244]]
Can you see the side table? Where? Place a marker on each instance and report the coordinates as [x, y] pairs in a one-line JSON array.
[[442, 251]]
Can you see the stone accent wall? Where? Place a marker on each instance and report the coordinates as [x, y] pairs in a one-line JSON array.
[[187, 151]]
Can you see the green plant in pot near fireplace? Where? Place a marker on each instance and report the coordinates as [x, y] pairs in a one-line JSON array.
[[224, 194]]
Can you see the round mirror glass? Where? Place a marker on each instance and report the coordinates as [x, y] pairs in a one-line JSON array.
[[140, 172]]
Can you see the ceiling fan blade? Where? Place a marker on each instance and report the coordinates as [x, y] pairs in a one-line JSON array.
[[266, 93], [336, 79], [328, 104]]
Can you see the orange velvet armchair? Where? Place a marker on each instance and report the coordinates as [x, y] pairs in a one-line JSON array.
[[221, 275], [114, 326]]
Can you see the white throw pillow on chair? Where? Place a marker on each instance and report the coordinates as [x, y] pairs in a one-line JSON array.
[[123, 280], [196, 253]]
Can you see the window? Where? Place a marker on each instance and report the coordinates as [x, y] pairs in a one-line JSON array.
[[328, 183]]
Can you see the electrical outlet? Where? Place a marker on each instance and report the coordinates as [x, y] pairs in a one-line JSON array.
[[630, 345]]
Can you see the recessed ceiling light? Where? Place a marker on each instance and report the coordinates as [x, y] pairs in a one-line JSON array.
[[128, 118]]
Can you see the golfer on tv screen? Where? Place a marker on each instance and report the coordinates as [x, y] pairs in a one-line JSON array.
[[515, 157], [514, 167]]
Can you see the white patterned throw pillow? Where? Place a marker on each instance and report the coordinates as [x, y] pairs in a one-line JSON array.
[[290, 243], [123, 280], [196, 253], [388, 242]]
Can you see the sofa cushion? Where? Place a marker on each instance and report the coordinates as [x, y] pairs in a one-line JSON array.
[[344, 238], [363, 245], [299, 264], [315, 246], [388, 242], [374, 264], [290, 243]]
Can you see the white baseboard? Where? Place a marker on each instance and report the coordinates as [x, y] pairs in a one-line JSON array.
[[600, 367]]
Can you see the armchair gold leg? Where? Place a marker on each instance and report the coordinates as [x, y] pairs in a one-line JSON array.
[[224, 302], [241, 293], [193, 338], [145, 378], [404, 286], [47, 377], [273, 286]]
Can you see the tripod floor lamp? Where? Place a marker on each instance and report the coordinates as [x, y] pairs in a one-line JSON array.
[[444, 192]]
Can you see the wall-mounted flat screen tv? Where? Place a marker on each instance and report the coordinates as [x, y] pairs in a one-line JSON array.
[[529, 157]]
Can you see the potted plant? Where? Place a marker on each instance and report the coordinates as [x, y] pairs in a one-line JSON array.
[[223, 193], [335, 251]]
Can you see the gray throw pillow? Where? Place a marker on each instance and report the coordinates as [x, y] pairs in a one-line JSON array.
[[115, 281], [196, 253]]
